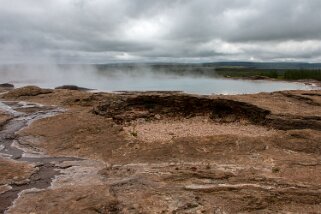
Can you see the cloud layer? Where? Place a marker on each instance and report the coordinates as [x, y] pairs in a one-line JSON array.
[[99, 31]]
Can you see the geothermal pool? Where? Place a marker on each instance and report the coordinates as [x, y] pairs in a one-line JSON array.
[[144, 81]]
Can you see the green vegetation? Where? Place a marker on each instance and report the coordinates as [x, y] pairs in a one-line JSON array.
[[275, 169], [281, 71], [269, 73], [246, 72], [302, 74], [134, 133]]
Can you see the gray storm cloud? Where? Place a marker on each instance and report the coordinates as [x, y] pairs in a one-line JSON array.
[[98, 31]]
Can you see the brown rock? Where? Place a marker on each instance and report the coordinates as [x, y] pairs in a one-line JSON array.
[[7, 85], [13, 171], [73, 87], [26, 91]]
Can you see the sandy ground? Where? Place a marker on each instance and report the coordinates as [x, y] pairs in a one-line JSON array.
[[164, 160], [166, 131]]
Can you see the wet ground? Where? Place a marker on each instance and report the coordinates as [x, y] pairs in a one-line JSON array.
[[46, 167]]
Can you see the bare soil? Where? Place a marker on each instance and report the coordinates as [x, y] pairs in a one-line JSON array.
[[177, 153]]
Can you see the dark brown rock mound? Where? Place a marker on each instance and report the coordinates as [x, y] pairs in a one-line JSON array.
[[7, 85], [149, 106], [73, 87], [27, 91]]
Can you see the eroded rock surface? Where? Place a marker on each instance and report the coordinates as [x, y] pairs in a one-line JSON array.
[[130, 108], [177, 153], [26, 91], [4, 118]]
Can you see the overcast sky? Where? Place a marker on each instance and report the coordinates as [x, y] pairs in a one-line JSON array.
[[98, 31]]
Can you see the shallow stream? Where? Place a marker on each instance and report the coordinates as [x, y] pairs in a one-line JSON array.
[[47, 167]]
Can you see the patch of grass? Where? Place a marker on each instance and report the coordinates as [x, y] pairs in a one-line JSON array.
[[275, 169], [270, 73], [246, 72], [134, 133], [302, 74]]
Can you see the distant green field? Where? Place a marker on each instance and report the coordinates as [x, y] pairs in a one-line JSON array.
[[213, 70], [270, 73], [302, 74]]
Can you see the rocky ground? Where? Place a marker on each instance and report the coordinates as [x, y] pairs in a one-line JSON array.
[[158, 152]]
